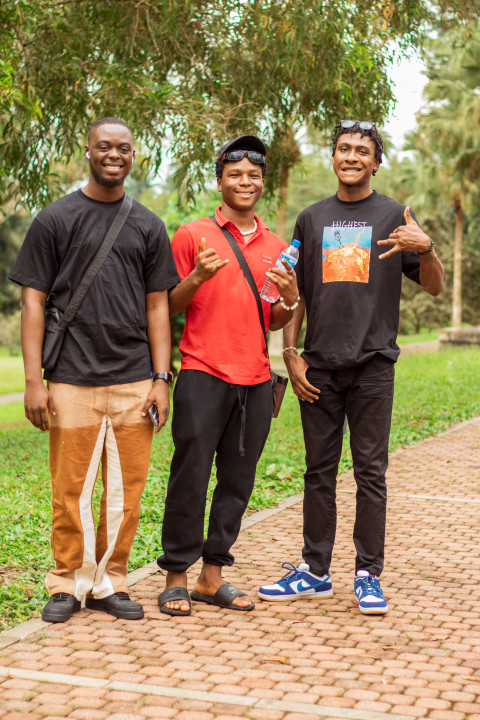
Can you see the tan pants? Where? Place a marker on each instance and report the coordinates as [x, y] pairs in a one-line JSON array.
[[93, 425]]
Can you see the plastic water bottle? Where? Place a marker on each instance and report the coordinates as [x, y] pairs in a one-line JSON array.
[[269, 290]]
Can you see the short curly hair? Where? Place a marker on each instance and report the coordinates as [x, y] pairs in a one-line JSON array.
[[372, 133]]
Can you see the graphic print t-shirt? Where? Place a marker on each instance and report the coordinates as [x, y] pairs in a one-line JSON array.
[[352, 297]]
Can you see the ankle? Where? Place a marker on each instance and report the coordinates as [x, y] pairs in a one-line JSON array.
[[210, 578], [176, 579], [210, 573]]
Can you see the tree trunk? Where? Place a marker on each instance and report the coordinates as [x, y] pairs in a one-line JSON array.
[[281, 223], [457, 263]]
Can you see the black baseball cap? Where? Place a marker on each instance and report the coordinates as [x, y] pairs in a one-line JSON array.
[[244, 142]]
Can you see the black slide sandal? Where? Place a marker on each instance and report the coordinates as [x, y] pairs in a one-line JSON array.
[[178, 593], [223, 598]]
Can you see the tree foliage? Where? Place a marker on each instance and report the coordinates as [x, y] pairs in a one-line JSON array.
[[185, 74], [447, 150]]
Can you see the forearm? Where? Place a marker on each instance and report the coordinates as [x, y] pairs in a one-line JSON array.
[[279, 317], [159, 338], [431, 273], [37, 400], [158, 330], [295, 364], [291, 331], [182, 295], [32, 331]]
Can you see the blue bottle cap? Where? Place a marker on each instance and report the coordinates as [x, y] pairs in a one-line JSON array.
[[296, 243]]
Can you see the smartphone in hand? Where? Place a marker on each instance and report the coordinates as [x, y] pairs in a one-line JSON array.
[[153, 412]]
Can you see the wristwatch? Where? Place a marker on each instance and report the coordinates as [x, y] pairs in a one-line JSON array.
[[167, 376]]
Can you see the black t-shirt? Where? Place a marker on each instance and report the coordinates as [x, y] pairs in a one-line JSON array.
[[107, 342], [352, 298]]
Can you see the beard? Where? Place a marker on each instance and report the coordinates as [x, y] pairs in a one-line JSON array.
[[106, 182]]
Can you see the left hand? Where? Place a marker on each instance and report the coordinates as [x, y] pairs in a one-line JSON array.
[[285, 282], [159, 396], [406, 237]]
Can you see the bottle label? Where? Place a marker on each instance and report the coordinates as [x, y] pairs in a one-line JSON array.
[[291, 260]]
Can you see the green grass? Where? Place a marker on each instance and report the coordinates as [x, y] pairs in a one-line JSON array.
[[12, 378], [433, 391], [423, 336], [13, 415]]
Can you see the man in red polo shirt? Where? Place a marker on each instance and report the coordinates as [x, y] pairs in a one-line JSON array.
[[223, 397]]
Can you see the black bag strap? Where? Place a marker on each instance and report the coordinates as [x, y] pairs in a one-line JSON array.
[[248, 274], [97, 261]]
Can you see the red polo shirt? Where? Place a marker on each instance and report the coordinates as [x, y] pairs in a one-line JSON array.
[[223, 335]]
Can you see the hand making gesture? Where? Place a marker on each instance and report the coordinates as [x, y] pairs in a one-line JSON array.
[[406, 237], [208, 262]]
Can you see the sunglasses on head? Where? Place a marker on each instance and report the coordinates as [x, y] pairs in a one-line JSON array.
[[237, 155], [362, 124]]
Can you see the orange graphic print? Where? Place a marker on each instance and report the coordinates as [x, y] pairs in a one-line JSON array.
[[345, 261]]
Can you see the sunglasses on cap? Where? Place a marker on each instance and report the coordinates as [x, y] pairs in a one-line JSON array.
[[237, 155], [362, 124]]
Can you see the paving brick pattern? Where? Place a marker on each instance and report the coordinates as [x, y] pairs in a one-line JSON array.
[[299, 660]]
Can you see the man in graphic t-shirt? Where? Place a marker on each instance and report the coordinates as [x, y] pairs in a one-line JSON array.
[[97, 395], [354, 248]]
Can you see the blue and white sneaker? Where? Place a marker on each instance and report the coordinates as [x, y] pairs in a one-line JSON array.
[[298, 582], [369, 594]]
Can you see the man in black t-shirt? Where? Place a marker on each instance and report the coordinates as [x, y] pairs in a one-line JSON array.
[[95, 405], [350, 287]]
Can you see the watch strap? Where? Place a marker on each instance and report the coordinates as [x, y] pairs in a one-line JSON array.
[[167, 376]]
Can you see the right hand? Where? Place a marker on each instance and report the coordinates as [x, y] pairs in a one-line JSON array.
[[38, 404], [208, 262], [297, 370]]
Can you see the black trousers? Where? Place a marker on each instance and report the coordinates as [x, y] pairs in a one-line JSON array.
[[365, 395], [207, 420]]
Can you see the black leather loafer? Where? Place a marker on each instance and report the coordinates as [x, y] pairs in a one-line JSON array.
[[60, 608], [119, 605]]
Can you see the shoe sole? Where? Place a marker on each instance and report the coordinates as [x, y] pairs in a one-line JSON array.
[[92, 604], [373, 611], [55, 619], [297, 596]]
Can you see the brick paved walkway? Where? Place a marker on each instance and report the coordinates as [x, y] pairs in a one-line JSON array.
[[289, 661]]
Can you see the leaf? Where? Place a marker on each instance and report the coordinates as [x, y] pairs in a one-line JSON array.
[[472, 678], [279, 659]]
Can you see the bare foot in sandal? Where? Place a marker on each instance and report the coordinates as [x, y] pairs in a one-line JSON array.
[[210, 580], [180, 606]]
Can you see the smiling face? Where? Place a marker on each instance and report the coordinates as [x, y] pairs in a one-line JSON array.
[[241, 185], [111, 154], [354, 162]]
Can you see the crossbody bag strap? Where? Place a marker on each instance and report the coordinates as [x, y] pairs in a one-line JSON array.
[[97, 261], [248, 274]]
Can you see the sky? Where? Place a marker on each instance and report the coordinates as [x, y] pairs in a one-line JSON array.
[[408, 83]]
